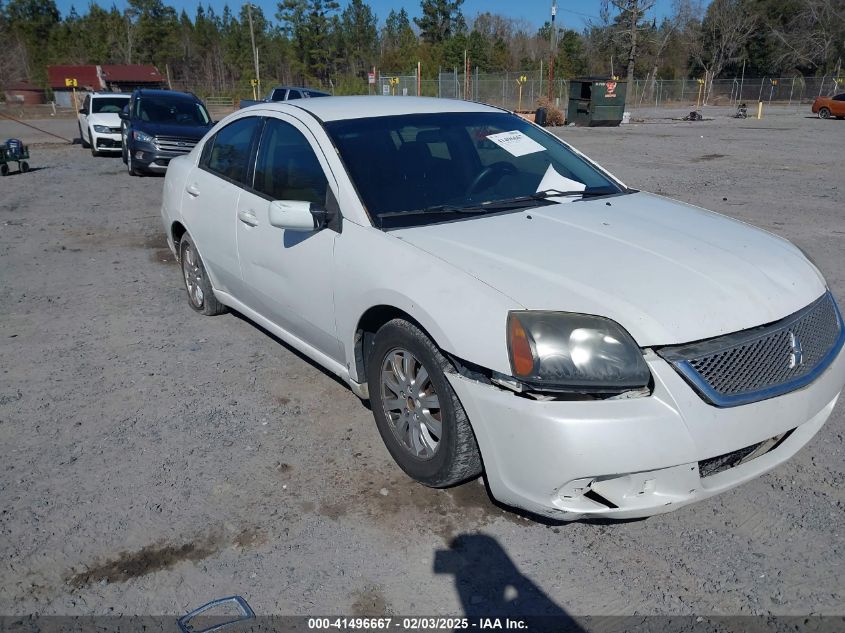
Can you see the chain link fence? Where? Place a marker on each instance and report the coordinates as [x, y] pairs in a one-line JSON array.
[[521, 90], [781, 90]]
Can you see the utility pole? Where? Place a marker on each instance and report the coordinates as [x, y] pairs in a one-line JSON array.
[[552, 47], [254, 49]]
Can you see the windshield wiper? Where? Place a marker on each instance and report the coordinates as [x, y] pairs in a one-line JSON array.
[[496, 205]]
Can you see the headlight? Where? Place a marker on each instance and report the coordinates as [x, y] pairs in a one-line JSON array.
[[143, 137], [574, 352], [102, 129]]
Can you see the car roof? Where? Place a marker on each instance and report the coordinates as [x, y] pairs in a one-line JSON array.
[[145, 92], [299, 88], [111, 94], [362, 107]]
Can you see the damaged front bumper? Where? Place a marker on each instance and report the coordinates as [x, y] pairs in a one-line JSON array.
[[637, 457]]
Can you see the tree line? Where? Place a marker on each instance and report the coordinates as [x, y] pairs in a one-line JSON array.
[[321, 43]]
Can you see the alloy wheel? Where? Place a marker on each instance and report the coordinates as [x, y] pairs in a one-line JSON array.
[[411, 403], [193, 276]]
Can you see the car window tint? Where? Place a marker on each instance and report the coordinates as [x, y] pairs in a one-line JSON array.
[[287, 167], [408, 162], [294, 94], [839, 97], [230, 149]]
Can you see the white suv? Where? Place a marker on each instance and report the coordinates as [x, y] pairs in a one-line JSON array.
[[508, 305], [99, 121]]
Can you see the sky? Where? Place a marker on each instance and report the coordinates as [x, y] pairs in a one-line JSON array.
[[570, 13]]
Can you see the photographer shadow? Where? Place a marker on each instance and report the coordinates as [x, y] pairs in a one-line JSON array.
[[490, 586]]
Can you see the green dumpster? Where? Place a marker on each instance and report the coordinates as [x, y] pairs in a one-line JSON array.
[[596, 102]]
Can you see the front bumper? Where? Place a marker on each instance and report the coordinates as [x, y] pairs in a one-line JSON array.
[[149, 158], [107, 142], [636, 457]]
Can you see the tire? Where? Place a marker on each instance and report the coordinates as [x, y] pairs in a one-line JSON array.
[[85, 144], [824, 113], [4, 170], [94, 151], [200, 293], [24, 167], [130, 169], [456, 457]]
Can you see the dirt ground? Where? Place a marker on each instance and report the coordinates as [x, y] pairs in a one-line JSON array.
[[153, 459]]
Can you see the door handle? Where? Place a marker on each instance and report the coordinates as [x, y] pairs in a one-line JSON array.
[[193, 190], [247, 217]]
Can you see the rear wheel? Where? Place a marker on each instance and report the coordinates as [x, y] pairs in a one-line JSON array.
[[200, 294], [24, 167], [824, 113], [418, 414], [4, 170]]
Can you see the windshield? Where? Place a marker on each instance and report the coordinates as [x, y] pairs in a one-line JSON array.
[[172, 111], [108, 105], [415, 162]]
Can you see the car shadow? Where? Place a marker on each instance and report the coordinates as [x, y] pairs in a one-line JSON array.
[[489, 585], [288, 347]]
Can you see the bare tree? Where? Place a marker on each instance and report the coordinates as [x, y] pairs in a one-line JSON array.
[[685, 14], [811, 35], [632, 11], [727, 27]]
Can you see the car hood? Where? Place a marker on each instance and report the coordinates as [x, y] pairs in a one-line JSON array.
[[110, 119], [668, 272], [183, 131]]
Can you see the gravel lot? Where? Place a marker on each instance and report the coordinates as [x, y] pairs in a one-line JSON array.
[[153, 459]]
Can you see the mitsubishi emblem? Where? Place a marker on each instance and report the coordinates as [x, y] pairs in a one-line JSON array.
[[796, 354]]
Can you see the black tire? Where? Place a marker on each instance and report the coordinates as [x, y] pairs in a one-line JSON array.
[[85, 144], [94, 151], [24, 167], [456, 457], [205, 303], [824, 113], [130, 168], [4, 170]]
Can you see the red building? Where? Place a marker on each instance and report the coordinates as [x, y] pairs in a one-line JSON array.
[[108, 77]]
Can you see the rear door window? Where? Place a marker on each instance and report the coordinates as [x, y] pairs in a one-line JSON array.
[[228, 155]]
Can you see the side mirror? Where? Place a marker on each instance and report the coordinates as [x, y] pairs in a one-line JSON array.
[[124, 114], [297, 215], [81, 110]]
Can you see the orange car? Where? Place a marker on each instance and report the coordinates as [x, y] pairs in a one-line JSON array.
[[827, 107]]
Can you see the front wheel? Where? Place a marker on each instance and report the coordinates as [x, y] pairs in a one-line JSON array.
[[824, 113], [85, 144], [418, 414], [200, 293], [130, 168], [93, 145]]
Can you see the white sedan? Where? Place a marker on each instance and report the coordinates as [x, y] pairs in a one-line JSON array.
[[507, 305]]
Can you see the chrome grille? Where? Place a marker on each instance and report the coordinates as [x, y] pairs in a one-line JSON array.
[[763, 362], [175, 144]]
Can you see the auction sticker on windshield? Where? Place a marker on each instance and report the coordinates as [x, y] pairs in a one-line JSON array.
[[516, 143]]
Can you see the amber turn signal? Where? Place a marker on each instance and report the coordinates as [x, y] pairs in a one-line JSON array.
[[522, 359]]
